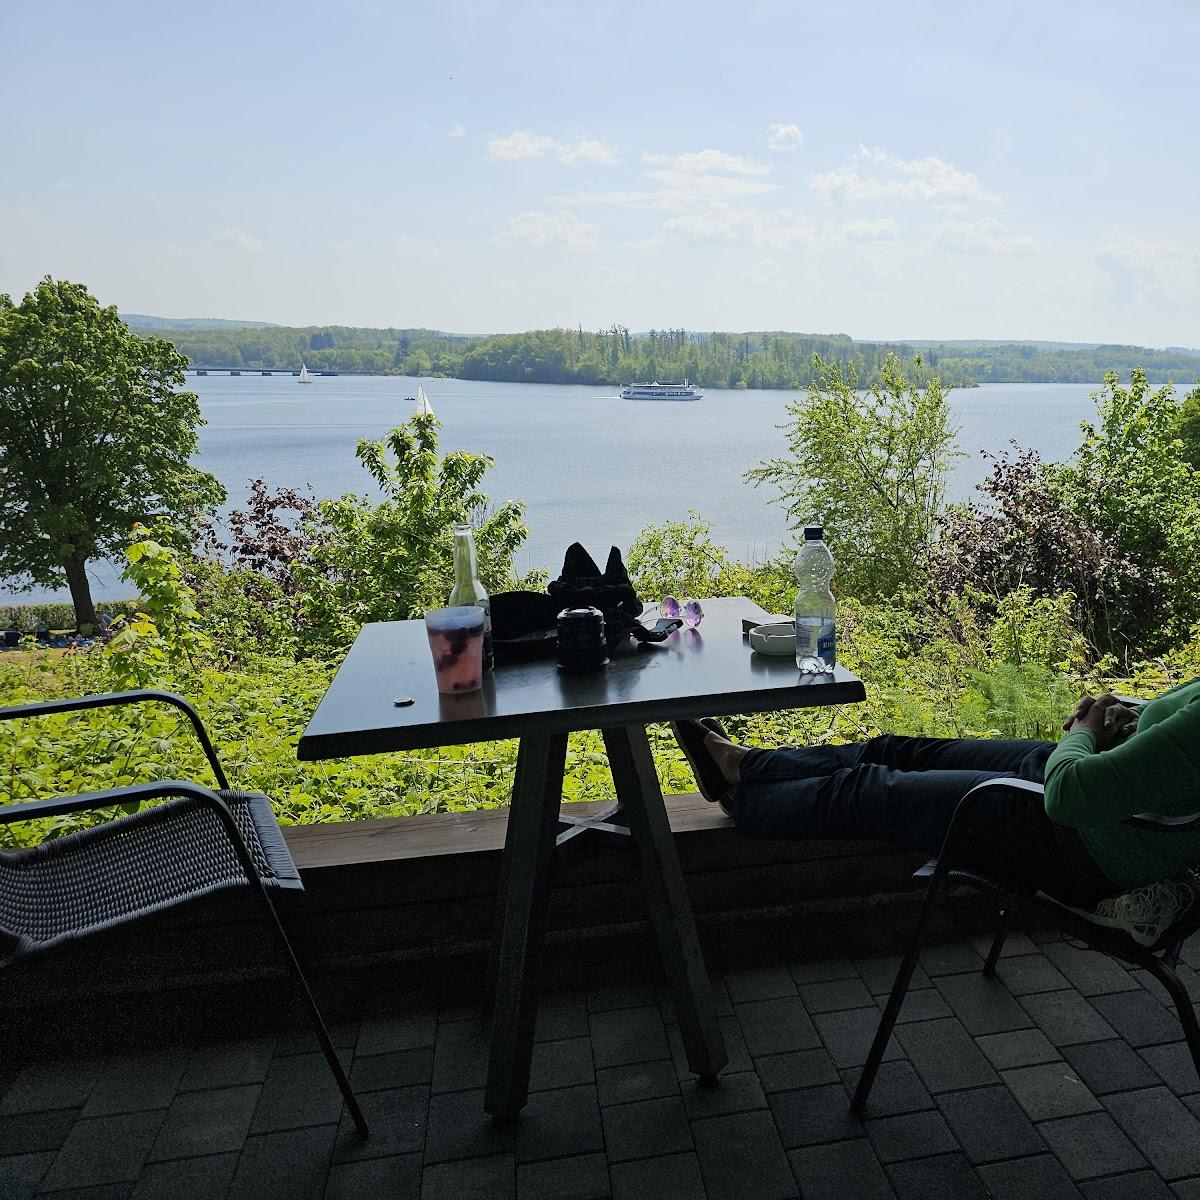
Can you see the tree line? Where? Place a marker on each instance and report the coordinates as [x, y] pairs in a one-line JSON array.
[[616, 356]]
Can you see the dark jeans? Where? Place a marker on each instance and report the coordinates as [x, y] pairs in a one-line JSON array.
[[905, 790]]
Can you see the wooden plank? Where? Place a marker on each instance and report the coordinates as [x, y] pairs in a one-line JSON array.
[[345, 843]]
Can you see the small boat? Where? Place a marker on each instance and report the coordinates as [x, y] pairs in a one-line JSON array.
[[424, 408], [662, 391], [305, 377]]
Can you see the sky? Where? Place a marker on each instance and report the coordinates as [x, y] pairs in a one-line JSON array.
[[890, 171]]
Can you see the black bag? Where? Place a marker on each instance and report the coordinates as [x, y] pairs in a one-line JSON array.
[[524, 624]]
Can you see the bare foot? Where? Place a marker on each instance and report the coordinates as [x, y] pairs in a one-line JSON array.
[[727, 755]]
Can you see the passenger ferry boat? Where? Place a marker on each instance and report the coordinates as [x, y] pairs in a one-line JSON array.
[[662, 391]]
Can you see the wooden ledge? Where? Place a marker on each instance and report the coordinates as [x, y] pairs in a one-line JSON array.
[[351, 843]]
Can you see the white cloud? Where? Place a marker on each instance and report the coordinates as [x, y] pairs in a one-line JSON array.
[[588, 151], [884, 229], [775, 228], [985, 236], [545, 229], [457, 131], [241, 240], [877, 174], [686, 181], [341, 247], [1145, 270], [784, 137], [522, 144], [416, 247], [705, 162]]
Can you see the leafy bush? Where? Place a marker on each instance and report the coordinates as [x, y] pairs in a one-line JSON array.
[[871, 467], [1026, 538]]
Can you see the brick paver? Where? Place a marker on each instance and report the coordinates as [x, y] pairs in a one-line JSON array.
[[1066, 1075]]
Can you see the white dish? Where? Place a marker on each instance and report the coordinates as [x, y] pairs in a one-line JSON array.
[[777, 640]]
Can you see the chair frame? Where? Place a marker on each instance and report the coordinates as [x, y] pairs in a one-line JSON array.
[[1160, 960], [137, 793]]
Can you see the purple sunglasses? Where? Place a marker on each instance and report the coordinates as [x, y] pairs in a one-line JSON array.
[[690, 613]]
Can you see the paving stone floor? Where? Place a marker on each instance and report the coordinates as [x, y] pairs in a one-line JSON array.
[[1064, 1077]]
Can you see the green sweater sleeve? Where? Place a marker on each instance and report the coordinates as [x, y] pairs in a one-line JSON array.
[[1157, 769]]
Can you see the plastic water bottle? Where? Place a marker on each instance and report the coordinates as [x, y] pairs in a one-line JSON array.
[[816, 637]]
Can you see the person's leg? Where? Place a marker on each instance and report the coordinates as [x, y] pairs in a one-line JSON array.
[[1008, 837], [1022, 758], [1025, 759], [868, 802]]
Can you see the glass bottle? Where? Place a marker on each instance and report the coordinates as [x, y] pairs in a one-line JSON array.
[[467, 588]]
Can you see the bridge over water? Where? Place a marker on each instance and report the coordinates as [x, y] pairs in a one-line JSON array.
[[265, 371]]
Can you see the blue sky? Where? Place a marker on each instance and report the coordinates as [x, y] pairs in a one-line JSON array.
[[1009, 170]]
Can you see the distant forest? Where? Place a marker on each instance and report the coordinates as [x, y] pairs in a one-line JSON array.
[[617, 356]]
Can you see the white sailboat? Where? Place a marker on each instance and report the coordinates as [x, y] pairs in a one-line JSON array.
[[305, 377], [424, 408]]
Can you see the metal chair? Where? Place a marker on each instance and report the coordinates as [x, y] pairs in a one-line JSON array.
[[1159, 960], [199, 842]]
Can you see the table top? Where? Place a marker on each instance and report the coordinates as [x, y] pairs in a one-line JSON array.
[[709, 671]]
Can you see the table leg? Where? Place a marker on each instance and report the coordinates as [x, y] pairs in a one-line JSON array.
[[525, 887], [666, 896]]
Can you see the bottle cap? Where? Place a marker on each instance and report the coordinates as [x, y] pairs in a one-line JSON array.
[[814, 533]]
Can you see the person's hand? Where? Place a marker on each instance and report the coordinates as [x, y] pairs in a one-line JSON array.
[[1085, 702], [1108, 720]]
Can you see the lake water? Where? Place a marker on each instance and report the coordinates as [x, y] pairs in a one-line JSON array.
[[588, 465]]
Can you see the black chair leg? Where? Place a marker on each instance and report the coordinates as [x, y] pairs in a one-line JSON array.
[[989, 967], [314, 1013], [887, 1022], [1183, 1006]]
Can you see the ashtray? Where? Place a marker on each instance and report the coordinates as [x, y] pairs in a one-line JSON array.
[[776, 640]]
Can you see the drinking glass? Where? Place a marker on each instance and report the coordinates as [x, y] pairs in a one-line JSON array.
[[456, 643]]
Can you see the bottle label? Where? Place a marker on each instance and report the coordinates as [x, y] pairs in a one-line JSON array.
[[827, 645], [816, 642]]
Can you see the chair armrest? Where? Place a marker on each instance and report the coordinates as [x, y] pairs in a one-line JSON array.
[[1131, 702], [43, 708], [58, 806], [1161, 823], [135, 794], [1015, 785]]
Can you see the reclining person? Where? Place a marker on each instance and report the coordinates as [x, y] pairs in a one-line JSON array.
[[1072, 844]]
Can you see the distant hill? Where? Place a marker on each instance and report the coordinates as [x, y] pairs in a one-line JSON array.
[[141, 321]]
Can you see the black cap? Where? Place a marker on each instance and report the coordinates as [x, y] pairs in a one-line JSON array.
[[814, 533]]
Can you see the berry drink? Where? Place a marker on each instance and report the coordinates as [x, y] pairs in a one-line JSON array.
[[456, 642]]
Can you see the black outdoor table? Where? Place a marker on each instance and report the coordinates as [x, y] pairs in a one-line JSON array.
[[709, 671]]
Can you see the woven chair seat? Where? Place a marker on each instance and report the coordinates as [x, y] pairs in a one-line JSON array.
[[133, 866]]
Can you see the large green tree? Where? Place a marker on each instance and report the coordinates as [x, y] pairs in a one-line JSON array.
[[379, 561], [1131, 479], [871, 467], [95, 436]]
